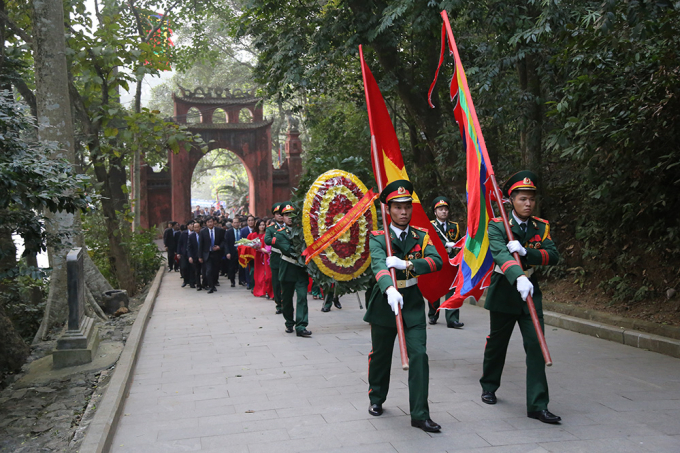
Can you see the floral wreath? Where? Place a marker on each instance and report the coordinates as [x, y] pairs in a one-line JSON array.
[[329, 198]]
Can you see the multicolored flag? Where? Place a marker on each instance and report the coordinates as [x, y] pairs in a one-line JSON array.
[[161, 39], [474, 261], [391, 167]]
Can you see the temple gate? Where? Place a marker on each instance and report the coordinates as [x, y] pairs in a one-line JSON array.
[[166, 195]]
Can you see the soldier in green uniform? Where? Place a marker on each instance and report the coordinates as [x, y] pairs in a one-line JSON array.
[[275, 257], [448, 232], [414, 255], [510, 285], [293, 277]]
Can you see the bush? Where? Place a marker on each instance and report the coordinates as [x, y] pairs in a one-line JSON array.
[[143, 253], [30, 285]]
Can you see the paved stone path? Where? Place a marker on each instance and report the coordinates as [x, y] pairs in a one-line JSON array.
[[217, 373]]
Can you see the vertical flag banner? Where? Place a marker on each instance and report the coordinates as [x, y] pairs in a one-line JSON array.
[[161, 40], [474, 261], [390, 165]]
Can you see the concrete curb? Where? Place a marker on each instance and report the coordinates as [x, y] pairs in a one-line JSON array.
[[630, 337], [103, 426]]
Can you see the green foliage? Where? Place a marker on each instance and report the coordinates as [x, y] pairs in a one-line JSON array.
[[144, 255], [339, 138], [31, 182], [28, 283], [616, 136]]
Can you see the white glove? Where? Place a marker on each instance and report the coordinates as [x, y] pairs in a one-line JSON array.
[[524, 286], [397, 263], [450, 245], [515, 246], [395, 299]]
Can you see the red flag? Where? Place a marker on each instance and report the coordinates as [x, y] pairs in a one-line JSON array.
[[391, 167]]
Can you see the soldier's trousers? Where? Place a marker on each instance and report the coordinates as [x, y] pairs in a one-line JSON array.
[[380, 362], [502, 325], [449, 315], [301, 312], [276, 286]]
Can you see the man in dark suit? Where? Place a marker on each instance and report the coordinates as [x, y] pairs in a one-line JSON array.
[[232, 237], [170, 245], [194, 252], [182, 251], [212, 249]]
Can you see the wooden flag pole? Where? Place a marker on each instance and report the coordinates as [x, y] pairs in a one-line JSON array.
[[388, 244], [498, 195]]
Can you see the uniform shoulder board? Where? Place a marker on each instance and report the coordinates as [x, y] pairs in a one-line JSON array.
[[281, 229], [540, 220], [378, 233], [433, 222], [497, 219], [424, 230]]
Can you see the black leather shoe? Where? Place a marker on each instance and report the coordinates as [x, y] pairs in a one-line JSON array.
[[304, 333], [544, 416], [210, 291], [426, 425], [375, 410], [336, 302], [199, 288], [432, 321], [489, 397], [278, 311], [233, 285], [456, 325], [217, 283], [289, 330], [192, 286], [183, 285], [325, 309]]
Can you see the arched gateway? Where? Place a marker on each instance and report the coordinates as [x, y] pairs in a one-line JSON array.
[[166, 195]]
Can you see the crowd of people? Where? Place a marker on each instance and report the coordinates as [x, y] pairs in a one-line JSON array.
[[206, 248]]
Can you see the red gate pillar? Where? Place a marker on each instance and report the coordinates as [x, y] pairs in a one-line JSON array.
[[181, 184]]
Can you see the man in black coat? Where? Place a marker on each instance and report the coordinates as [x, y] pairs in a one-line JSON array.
[[170, 244], [183, 252], [194, 252], [232, 237], [212, 248]]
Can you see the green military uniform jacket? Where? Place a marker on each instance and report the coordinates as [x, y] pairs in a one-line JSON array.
[[288, 272], [502, 295], [269, 235], [417, 248], [452, 233]]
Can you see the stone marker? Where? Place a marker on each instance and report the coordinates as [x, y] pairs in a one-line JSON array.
[[78, 344]]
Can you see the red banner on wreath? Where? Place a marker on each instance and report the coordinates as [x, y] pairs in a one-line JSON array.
[[245, 254], [340, 227]]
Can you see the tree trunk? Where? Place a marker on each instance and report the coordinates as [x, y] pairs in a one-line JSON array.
[[136, 166], [55, 124], [531, 132], [113, 201]]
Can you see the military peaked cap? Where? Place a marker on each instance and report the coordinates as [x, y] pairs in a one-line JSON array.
[[522, 180], [440, 201], [400, 190]]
